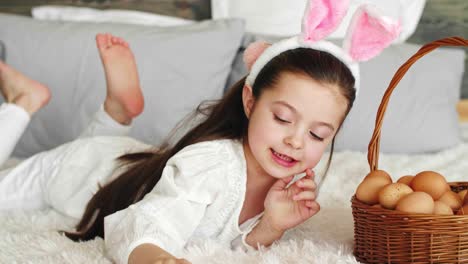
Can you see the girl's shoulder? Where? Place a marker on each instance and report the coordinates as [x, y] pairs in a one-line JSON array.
[[208, 155], [220, 148], [217, 145], [206, 169]]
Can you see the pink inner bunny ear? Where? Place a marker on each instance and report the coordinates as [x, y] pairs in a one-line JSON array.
[[369, 33], [253, 51], [322, 17]]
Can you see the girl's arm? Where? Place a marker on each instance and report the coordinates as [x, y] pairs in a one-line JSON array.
[[285, 207], [169, 214], [263, 234], [150, 253]]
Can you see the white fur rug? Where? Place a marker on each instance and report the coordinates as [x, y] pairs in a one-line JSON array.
[[325, 238], [32, 237]]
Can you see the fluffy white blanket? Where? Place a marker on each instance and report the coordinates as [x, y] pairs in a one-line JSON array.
[[325, 238]]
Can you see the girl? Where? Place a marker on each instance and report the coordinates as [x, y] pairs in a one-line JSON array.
[[230, 178]]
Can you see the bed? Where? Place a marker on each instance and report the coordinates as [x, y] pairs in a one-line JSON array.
[[325, 238], [426, 127]]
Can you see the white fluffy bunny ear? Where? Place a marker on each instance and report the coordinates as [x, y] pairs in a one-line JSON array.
[[369, 33], [322, 17]]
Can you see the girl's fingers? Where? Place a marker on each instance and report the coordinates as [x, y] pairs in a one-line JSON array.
[[307, 184], [283, 183], [288, 179], [313, 206], [306, 195], [310, 174]]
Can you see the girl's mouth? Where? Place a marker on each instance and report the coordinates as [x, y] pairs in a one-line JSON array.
[[283, 160]]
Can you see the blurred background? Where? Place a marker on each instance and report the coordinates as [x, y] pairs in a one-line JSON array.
[[440, 18]]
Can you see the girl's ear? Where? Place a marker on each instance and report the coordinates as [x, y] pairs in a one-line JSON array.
[[248, 100]]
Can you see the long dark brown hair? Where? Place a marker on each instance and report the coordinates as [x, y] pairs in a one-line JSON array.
[[224, 119]]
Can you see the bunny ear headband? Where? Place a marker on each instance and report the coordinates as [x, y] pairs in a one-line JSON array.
[[368, 34]]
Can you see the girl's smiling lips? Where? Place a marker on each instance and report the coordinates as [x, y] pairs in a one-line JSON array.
[[283, 160]]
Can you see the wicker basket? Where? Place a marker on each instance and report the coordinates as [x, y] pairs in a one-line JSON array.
[[387, 236]]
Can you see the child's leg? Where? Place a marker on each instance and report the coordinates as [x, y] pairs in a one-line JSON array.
[[102, 124], [23, 98], [25, 186], [124, 99], [13, 122], [22, 187]]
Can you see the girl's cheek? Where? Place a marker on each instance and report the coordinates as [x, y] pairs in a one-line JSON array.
[[315, 155]]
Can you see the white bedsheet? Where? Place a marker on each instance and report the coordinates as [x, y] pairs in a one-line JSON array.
[[325, 238]]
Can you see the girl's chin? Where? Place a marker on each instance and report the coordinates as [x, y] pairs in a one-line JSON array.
[[282, 174]]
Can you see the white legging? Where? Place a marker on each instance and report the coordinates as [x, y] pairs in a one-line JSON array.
[[24, 186], [14, 120]]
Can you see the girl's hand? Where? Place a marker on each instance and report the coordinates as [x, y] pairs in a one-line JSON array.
[[171, 260], [287, 208]]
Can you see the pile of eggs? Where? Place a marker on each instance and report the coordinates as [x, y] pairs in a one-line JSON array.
[[425, 193]]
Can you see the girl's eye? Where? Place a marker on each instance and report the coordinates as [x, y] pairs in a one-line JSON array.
[[281, 120], [316, 137]]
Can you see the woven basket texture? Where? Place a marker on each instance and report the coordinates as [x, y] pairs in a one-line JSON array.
[[389, 236]]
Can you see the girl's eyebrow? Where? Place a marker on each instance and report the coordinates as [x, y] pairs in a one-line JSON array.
[[320, 123], [287, 105], [325, 124]]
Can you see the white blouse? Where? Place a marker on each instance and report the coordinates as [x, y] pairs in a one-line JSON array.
[[199, 196]]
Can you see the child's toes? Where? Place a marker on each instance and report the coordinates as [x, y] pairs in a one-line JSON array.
[[108, 39], [101, 41], [123, 43], [115, 40]]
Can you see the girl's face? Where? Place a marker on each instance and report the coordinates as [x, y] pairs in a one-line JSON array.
[[291, 124]]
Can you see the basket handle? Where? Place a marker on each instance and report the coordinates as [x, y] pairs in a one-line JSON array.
[[374, 144]]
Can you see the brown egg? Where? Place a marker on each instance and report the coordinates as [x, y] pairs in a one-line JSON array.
[[368, 191], [379, 173], [416, 203], [390, 194], [430, 182], [441, 208], [406, 179], [463, 210], [465, 200], [451, 199], [462, 194]]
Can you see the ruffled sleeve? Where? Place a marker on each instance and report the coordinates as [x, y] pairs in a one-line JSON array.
[[245, 229], [168, 215]]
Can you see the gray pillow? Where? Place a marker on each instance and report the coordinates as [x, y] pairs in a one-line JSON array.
[[2, 51], [421, 115], [179, 67]]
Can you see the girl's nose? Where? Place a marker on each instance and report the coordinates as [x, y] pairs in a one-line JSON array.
[[295, 140]]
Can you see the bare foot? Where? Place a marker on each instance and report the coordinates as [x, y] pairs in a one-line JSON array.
[[18, 89], [124, 99]]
